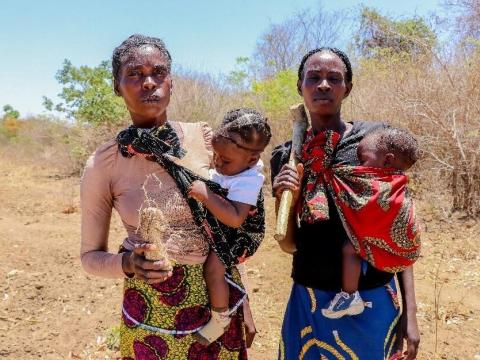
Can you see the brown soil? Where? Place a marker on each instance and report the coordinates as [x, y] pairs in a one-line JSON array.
[[50, 309]]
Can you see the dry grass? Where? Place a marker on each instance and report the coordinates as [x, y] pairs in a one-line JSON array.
[[200, 97]]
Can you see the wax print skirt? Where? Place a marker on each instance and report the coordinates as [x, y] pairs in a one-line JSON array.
[[158, 320], [308, 335]]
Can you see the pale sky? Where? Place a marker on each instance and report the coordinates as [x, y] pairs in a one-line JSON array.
[[36, 36]]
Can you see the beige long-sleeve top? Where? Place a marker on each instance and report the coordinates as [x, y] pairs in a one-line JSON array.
[[129, 184]]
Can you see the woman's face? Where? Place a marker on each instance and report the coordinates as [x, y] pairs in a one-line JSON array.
[[144, 82], [324, 86]]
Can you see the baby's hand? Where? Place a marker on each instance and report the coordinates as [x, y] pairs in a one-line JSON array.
[[198, 190]]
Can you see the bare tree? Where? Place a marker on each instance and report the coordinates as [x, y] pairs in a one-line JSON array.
[[466, 14], [282, 46]]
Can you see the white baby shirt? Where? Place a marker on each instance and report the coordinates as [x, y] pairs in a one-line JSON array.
[[243, 187]]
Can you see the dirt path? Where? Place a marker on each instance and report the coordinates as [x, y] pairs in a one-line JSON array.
[[50, 309]]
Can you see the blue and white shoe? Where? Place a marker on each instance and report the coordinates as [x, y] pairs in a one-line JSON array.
[[344, 304]]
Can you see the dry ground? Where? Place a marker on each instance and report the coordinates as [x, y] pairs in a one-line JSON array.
[[50, 309]]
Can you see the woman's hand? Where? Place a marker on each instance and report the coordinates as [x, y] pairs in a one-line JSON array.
[[250, 329], [289, 178], [408, 326], [408, 331], [152, 272]]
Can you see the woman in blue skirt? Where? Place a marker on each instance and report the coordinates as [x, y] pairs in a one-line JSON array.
[[389, 319]]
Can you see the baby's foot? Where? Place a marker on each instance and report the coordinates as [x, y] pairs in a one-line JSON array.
[[344, 304], [214, 328]]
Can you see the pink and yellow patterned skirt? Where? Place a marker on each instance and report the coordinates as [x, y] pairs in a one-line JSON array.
[[158, 320]]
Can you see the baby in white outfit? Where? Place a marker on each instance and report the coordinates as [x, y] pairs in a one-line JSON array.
[[237, 146]]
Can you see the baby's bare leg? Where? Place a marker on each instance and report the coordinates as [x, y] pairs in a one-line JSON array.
[[351, 268], [214, 273]]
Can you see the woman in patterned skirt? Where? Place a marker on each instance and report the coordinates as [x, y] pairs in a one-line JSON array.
[[324, 81], [148, 166]]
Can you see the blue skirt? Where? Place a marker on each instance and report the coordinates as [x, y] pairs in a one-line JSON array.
[[308, 335]]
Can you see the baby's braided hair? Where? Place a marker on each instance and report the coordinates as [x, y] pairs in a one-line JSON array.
[[132, 43], [339, 53], [249, 124]]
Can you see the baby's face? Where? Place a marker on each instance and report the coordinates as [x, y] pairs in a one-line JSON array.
[[369, 156], [228, 158]]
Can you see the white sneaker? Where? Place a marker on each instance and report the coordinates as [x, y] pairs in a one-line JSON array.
[[344, 304]]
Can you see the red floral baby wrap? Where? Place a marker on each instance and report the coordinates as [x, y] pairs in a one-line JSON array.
[[373, 203]]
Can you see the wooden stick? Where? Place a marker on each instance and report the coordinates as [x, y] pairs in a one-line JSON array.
[[300, 125]]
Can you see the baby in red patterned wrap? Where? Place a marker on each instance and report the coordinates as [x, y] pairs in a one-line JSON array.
[[385, 148]]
